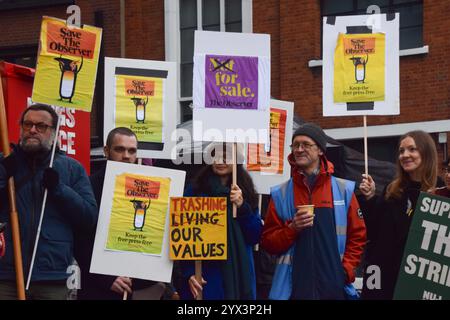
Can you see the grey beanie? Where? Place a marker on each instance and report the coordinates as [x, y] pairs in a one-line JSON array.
[[314, 132]]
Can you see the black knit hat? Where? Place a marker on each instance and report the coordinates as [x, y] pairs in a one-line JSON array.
[[314, 132]]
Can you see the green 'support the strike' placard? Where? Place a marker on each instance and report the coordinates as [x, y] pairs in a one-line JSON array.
[[425, 269]]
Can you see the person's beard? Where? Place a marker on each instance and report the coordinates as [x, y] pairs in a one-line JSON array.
[[34, 148]]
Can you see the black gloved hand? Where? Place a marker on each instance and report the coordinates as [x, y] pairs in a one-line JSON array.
[[10, 164], [50, 178]]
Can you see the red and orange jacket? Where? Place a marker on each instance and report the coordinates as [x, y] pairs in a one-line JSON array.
[[278, 237]]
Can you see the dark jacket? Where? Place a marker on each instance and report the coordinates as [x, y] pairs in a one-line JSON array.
[[93, 286], [388, 223], [70, 208]]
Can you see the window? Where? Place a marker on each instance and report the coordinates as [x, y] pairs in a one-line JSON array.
[[233, 16], [208, 15], [188, 25], [411, 15]]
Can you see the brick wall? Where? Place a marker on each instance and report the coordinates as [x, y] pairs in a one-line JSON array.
[[21, 27], [111, 20], [295, 29], [266, 19], [110, 12], [144, 33], [145, 38]]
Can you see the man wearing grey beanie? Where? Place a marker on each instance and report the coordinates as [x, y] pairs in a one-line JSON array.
[[314, 225]]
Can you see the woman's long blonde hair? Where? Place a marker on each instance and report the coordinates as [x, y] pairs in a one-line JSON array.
[[428, 167]]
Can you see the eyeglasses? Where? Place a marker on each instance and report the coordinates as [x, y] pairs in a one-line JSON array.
[[446, 169], [304, 145], [40, 126]]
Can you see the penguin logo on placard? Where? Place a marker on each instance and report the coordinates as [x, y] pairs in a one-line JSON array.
[[140, 211], [69, 70], [360, 68], [140, 109]]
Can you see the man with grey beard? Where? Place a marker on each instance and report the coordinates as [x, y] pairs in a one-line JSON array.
[[70, 207]]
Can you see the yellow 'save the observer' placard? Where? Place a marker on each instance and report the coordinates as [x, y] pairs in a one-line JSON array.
[[359, 68], [198, 228], [139, 106], [139, 209], [67, 64]]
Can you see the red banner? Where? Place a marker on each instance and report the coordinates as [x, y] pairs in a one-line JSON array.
[[74, 135]]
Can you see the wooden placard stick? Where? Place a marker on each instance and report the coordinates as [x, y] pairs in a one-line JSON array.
[[13, 216], [366, 158]]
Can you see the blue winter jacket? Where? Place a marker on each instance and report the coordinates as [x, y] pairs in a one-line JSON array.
[[70, 207]]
